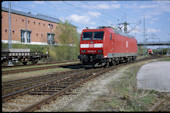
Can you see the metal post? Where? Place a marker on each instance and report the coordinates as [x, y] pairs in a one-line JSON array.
[[9, 35], [26, 30], [144, 28], [51, 33], [144, 32]]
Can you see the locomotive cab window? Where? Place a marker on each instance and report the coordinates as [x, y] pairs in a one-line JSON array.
[[87, 35], [98, 35]]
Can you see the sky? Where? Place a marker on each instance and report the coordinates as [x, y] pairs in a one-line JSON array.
[[92, 14]]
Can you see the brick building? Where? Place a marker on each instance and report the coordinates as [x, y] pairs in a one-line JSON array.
[[27, 28]]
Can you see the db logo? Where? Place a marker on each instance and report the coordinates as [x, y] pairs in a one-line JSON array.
[[91, 45]]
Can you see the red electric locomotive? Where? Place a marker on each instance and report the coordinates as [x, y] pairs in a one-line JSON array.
[[106, 46]]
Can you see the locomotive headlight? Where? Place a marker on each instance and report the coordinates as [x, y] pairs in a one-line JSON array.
[[99, 51], [83, 51]]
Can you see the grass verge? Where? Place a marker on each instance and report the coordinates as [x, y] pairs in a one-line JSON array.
[[125, 96], [9, 77], [165, 59]]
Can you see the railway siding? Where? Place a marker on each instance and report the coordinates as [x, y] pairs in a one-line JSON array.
[[38, 65], [13, 71], [16, 85]]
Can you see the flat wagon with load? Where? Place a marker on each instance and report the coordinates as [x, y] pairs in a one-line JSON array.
[[21, 55]]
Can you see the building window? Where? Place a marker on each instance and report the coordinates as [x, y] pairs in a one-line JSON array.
[[6, 30], [44, 25], [28, 21], [22, 20], [50, 38], [25, 36], [39, 24], [37, 34], [34, 23]]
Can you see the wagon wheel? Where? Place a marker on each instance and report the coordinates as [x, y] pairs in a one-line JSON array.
[[34, 61], [133, 58], [117, 62], [128, 59], [106, 64], [93, 66], [113, 62], [110, 63], [25, 63]]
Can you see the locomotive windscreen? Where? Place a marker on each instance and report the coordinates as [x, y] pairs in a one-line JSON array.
[[96, 35], [87, 35]]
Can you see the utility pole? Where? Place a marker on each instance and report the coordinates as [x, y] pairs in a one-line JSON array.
[[26, 30], [125, 26], [9, 35], [123, 18], [144, 33]]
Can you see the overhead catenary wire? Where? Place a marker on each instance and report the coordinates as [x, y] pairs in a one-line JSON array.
[[86, 10], [78, 10]]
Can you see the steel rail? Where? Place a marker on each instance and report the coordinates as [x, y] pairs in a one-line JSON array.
[[48, 63], [155, 106], [34, 69], [54, 96], [24, 91], [24, 80]]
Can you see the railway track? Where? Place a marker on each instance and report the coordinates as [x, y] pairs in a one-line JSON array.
[[49, 91], [28, 65], [16, 85], [14, 71], [163, 104]]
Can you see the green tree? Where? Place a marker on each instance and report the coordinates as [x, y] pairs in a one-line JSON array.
[[69, 42], [142, 50]]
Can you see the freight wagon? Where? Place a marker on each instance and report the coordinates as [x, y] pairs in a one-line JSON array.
[[106, 46], [21, 55]]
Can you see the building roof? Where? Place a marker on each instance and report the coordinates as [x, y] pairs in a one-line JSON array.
[[38, 16]]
